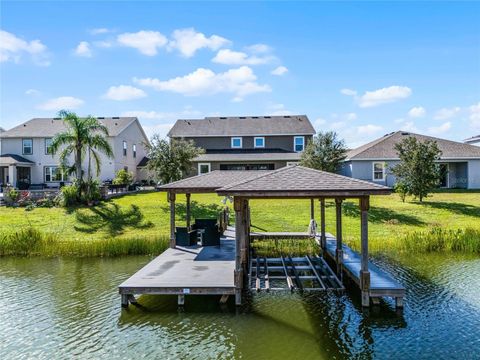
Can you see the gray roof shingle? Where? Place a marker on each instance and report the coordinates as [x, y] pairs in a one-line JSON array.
[[384, 148], [49, 127], [9, 159], [299, 179], [243, 126]]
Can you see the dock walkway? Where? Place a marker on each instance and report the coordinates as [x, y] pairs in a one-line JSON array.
[[381, 283], [193, 270]]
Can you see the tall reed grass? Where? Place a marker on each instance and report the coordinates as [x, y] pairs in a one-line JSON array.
[[32, 242]]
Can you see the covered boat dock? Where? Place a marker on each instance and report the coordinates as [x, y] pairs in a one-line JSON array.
[[229, 268]]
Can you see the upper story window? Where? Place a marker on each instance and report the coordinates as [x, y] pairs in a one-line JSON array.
[[236, 142], [259, 142], [203, 168], [27, 146], [299, 143], [378, 171], [134, 148], [124, 148], [48, 146]]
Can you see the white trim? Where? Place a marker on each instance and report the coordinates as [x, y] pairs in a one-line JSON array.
[[295, 143], [255, 142], [45, 167], [452, 159], [292, 163], [383, 170], [201, 164], [234, 138]]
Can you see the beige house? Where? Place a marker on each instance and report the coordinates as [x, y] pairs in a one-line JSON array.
[[26, 159]]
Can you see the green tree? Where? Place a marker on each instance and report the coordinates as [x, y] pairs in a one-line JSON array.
[[417, 171], [83, 136], [325, 152], [123, 177], [170, 161]]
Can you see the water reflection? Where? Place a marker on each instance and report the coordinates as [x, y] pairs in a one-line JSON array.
[[66, 308]]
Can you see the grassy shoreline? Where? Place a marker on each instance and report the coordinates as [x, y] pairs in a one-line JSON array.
[[138, 224]]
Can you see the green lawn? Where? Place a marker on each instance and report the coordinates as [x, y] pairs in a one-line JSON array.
[[146, 215]]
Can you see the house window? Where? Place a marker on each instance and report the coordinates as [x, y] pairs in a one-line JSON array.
[[134, 147], [27, 146], [292, 163], [203, 168], [236, 142], [259, 142], [53, 173], [299, 143], [378, 171], [48, 146], [124, 148]]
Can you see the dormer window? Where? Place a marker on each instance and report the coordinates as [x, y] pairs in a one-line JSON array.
[[236, 143], [259, 142], [299, 143]]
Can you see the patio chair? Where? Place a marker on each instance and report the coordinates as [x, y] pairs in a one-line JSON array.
[[184, 237], [211, 234]]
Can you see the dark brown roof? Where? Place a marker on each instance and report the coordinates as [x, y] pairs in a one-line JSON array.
[[243, 126], [384, 148], [292, 181], [211, 181], [13, 159]]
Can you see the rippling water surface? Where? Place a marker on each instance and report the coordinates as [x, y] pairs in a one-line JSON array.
[[64, 308]]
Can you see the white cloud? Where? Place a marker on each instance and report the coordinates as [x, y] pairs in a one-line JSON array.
[[230, 57], [319, 122], [83, 49], [337, 125], [103, 44], [348, 92], [62, 102], [99, 31], [368, 129], [188, 41], [240, 82], [259, 48], [147, 42], [417, 112], [436, 130], [187, 112], [158, 129], [124, 92], [279, 71], [406, 125], [32, 92], [277, 110], [379, 96], [475, 116], [350, 116], [12, 48], [446, 113]]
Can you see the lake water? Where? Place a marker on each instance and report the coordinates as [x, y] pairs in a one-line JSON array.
[[65, 308]]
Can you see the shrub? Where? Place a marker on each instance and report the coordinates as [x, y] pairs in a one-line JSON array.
[[401, 189], [67, 196], [123, 177], [46, 203], [91, 191], [11, 195]]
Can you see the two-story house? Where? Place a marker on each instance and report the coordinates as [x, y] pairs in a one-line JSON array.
[[246, 142], [26, 156]]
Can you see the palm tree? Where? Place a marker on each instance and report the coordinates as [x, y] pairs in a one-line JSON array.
[[82, 136]]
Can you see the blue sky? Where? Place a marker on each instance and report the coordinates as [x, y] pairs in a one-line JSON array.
[[361, 69]]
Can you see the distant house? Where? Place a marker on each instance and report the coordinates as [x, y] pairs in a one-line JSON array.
[[25, 157], [474, 140], [461, 162], [246, 142]]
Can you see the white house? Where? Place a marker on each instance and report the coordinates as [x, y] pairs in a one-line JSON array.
[[25, 156]]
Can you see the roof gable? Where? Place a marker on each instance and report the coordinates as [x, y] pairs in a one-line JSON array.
[[49, 127], [243, 126], [384, 147]]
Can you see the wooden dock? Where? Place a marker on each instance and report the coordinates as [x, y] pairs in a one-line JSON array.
[[193, 270], [381, 283]]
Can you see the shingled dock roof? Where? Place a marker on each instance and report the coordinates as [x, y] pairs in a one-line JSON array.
[[243, 126], [210, 182], [384, 148], [289, 181]]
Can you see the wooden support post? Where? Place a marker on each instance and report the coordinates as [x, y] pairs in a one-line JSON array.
[[339, 250], [364, 273], [124, 300], [181, 300], [224, 299], [171, 198], [312, 209], [323, 237], [399, 302], [239, 207], [187, 209]]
